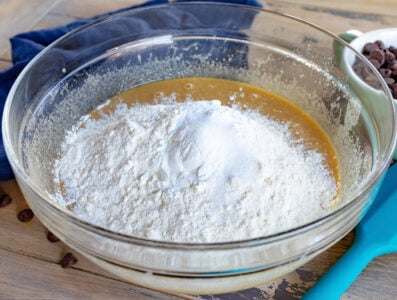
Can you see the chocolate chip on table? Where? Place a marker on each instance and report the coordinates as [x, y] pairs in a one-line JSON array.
[[5, 199], [68, 260], [25, 215], [52, 237]]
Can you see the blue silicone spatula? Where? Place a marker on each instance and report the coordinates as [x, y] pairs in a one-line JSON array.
[[375, 235]]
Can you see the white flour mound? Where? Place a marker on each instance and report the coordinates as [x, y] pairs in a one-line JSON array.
[[196, 171]]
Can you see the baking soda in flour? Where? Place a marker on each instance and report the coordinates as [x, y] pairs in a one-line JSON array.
[[196, 171]]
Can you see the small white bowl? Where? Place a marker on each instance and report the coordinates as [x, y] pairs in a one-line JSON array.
[[358, 40]]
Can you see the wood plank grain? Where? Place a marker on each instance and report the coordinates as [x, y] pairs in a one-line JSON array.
[[18, 16], [29, 240], [47, 21], [53, 20], [293, 285], [89, 8], [378, 280], [364, 12], [24, 246], [30, 278], [4, 64], [47, 14], [335, 20], [351, 8]]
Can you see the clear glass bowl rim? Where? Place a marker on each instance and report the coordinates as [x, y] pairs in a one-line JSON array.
[[366, 187]]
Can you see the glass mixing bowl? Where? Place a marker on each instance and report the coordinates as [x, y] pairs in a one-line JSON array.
[[285, 55]]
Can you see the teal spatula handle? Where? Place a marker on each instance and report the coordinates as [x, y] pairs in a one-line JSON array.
[[341, 275]]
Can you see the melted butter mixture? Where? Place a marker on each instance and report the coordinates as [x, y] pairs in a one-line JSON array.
[[303, 128]]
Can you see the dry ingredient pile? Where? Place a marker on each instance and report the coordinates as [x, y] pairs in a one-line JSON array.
[[196, 171]]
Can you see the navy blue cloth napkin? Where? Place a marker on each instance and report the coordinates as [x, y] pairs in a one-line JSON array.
[[27, 45]]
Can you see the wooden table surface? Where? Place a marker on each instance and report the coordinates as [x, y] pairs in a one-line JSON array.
[[29, 263]]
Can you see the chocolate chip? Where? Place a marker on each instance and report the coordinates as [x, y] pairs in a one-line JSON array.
[[385, 72], [389, 56], [369, 47], [379, 55], [390, 81], [380, 44], [393, 66], [68, 260], [375, 62], [25, 215], [394, 50], [385, 60], [5, 199], [52, 237]]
